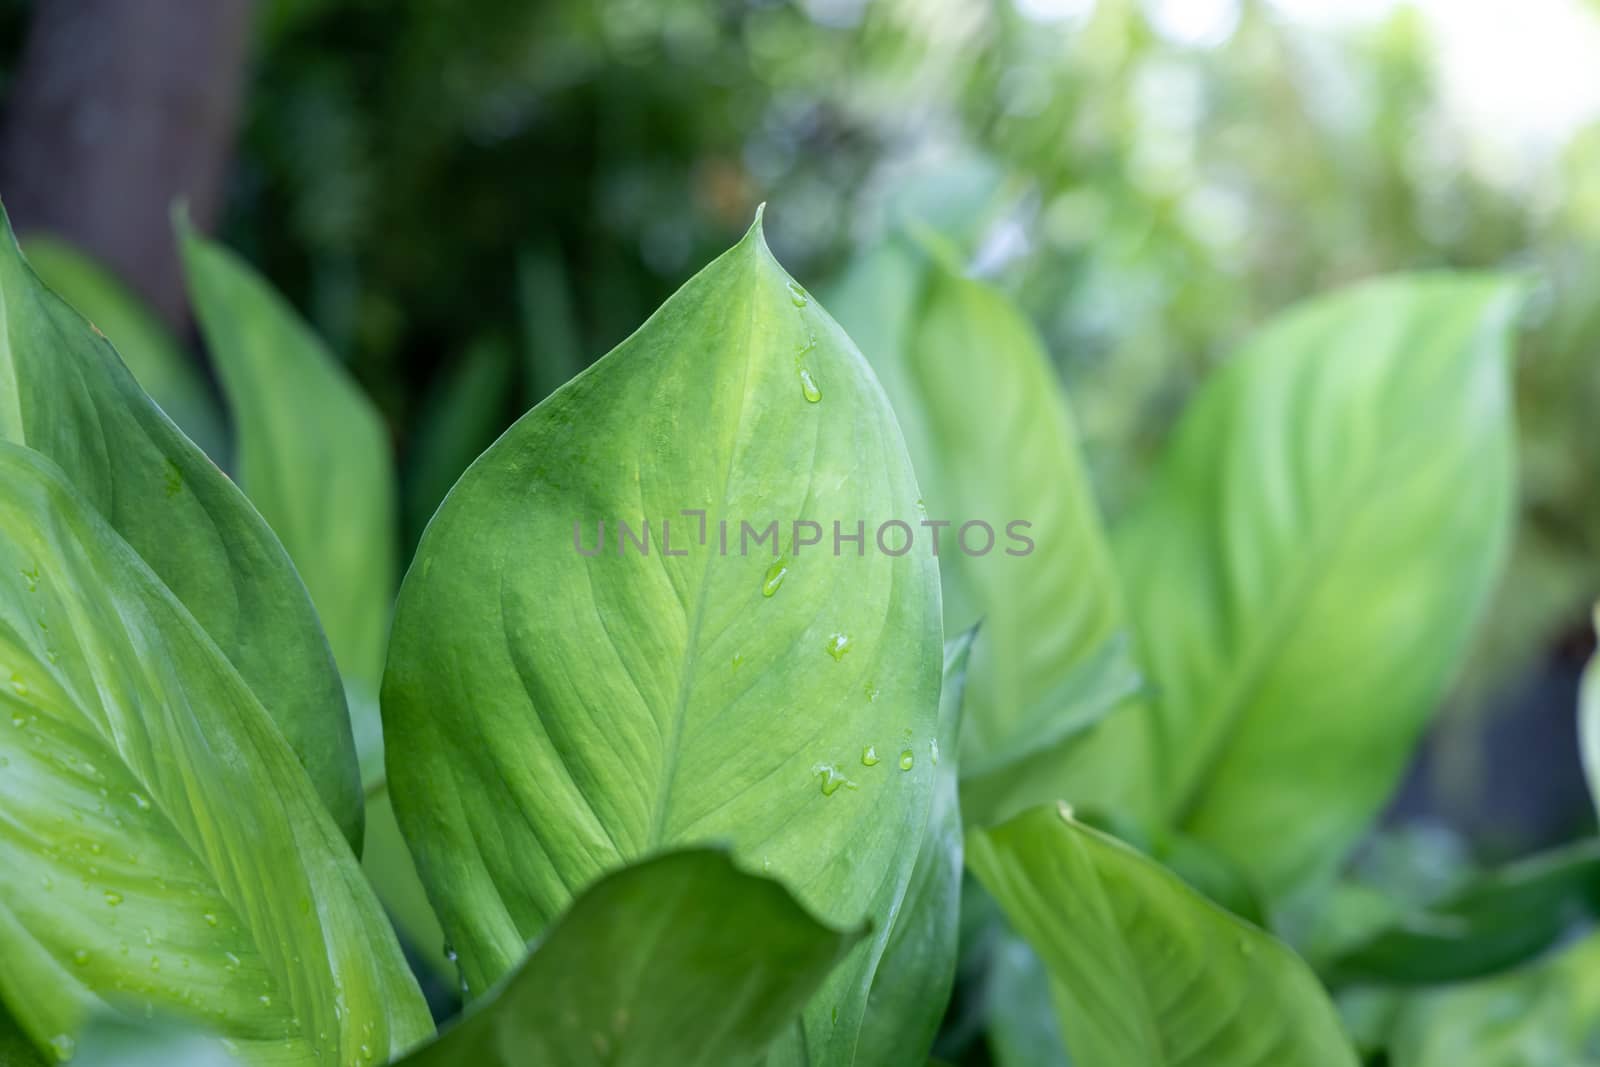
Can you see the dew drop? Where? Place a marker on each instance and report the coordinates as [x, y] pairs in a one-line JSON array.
[[869, 756], [18, 719], [838, 645], [933, 751], [211, 920], [798, 295], [155, 963], [113, 899], [775, 576], [450, 952], [63, 1046], [18, 684], [907, 760], [81, 957], [232, 962], [809, 387], [1246, 948], [96, 847], [265, 1000], [140, 801], [831, 778], [871, 692], [738, 660]]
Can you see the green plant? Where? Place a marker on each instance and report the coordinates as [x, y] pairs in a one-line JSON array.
[[667, 723]]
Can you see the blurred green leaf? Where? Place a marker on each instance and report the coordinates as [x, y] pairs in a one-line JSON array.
[[1307, 566], [680, 959], [1494, 923], [1544, 1015], [111, 1042], [552, 348], [148, 790], [786, 704], [1143, 969], [64, 393], [313, 454], [159, 364], [1023, 1030], [315, 457], [911, 988], [463, 415], [994, 444]]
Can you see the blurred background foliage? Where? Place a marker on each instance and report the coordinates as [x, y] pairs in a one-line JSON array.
[[471, 201]]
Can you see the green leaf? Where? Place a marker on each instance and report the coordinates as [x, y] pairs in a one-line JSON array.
[[161, 845], [1589, 720], [158, 362], [993, 442], [1143, 969], [680, 959], [551, 716], [64, 393], [313, 453], [912, 987], [1495, 922], [1309, 562], [552, 349], [1540, 1016]]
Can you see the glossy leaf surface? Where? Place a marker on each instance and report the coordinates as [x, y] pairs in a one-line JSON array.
[[551, 715], [161, 845]]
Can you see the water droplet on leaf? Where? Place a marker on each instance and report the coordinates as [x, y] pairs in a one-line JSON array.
[[907, 760], [809, 387], [838, 645], [869, 756], [775, 576]]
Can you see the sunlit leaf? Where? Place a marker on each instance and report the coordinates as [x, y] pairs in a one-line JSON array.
[[552, 715], [161, 847], [64, 393], [1143, 969], [996, 454], [1309, 562]]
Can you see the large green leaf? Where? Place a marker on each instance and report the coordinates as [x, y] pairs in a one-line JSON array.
[[1308, 564], [159, 843], [912, 987], [159, 364], [677, 961], [1541, 1016], [64, 392], [993, 442], [1143, 969], [312, 453], [551, 716]]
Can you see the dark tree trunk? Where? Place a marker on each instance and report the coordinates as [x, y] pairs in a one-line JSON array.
[[118, 108]]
